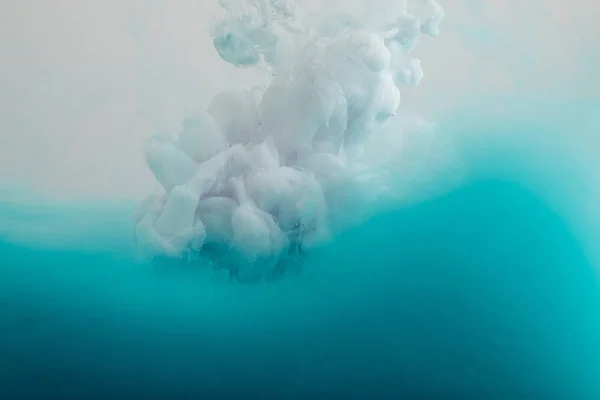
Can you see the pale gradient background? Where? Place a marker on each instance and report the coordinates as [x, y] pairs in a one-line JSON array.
[[83, 83], [486, 290]]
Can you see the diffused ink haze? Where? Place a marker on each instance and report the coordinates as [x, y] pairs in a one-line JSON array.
[[84, 83], [456, 255]]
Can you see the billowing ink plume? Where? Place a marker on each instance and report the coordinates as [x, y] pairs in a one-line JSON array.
[[263, 174]]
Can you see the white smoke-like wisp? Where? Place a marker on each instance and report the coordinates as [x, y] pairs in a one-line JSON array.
[[264, 173]]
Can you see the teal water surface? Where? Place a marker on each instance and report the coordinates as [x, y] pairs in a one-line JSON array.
[[483, 292]]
